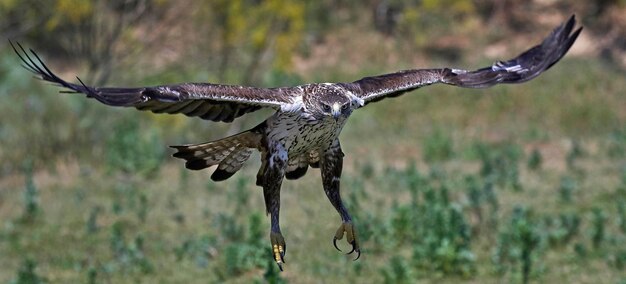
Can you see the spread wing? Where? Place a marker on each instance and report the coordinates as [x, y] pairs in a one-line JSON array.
[[207, 101], [524, 67]]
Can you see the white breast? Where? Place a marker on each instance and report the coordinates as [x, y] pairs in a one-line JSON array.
[[299, 134]]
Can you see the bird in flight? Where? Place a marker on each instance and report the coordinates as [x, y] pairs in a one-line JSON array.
[[303, 132]]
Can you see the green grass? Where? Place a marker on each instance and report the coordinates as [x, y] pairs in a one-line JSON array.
[[405, 216], [507, 184]]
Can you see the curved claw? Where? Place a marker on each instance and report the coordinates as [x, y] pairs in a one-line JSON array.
[[335, 244], [351, 238], [283, 253], [351, 250], [354, 248]]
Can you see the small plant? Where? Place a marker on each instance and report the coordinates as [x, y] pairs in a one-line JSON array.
[[475, 196], [560, 230], [27, 274], [517, 245], [598, 227], [200, 250], [134, 150], [619, 260], [117, 242], [272, 273], [397, 271], [128, 255], [436, 228], [229, 228], [367, 169], [581, 250], [138, 257], [574, 154], [142, 210], [621, 188], [413, 181], [566, 189], [500, 164], [438, 146], [571, 224], [617, 144], [92, 221], [491, 198], [92, 275], [621, 212], [245, 251], [31, 196], [535, 160]]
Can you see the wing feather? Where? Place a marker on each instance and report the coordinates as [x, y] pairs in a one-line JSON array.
[[200, 110], [208, 101], [190, 108], [522, 68]]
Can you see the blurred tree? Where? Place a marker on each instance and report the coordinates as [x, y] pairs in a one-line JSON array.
[[409, 20], [18, 17], [386, 16], [89, 30], [509, 14], [256, 33]]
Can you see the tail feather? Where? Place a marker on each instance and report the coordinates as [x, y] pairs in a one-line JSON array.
[[229, 154], [231, 164]]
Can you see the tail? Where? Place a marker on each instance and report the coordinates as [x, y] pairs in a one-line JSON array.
[[228, 153]]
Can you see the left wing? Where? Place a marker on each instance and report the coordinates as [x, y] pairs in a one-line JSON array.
[[524, 67], [208, 101]]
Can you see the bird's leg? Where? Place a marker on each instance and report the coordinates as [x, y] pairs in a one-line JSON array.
[[272, 180], [279, 248], [331, 167]]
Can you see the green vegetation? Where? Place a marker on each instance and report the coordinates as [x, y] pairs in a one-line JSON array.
[[514, 184], [27, 274]]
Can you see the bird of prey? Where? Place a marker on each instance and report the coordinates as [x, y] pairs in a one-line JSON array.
[[304, 129]]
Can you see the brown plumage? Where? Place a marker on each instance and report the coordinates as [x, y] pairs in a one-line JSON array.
[[304, 130], [229, 154]]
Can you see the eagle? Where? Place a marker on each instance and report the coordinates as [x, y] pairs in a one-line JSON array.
[[304, 130]]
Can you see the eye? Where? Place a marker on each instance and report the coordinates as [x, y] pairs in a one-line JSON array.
[[344, 107], [326, 108]]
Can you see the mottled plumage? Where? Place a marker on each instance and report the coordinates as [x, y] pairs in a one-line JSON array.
[[304, 130]]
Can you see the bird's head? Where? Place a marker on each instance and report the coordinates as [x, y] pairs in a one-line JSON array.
[[329, 101]]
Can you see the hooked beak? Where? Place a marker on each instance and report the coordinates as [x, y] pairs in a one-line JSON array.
[[336, 115], [336, 111]]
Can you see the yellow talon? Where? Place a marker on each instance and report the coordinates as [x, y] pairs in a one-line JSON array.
[[278, 248], [277, 252]]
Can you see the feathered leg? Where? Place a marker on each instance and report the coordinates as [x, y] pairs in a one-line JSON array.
[[331, 167], [272, 180]]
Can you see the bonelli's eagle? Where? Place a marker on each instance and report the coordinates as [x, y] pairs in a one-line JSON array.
[[303, 132]]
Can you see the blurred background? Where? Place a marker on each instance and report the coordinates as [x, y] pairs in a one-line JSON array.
[[513, 184]]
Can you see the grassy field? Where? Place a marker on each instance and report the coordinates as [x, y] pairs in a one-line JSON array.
[[505, 185]]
